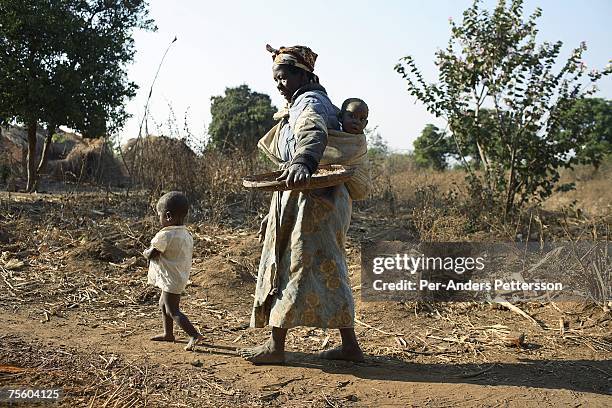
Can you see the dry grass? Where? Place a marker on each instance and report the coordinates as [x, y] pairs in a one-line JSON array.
[[211, 179], [431, 205], [437, 206], [592, 194]]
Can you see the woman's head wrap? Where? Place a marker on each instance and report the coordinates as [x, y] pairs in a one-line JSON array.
[[299, 56]]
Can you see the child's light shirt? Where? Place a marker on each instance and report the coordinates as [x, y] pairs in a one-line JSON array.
[[170, 271]]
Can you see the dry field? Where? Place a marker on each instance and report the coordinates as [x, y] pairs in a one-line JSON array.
[[76, 314]]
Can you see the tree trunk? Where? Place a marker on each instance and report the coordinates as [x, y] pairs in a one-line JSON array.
[[45, 154], [31, 156], [510, 188], [481, 151]]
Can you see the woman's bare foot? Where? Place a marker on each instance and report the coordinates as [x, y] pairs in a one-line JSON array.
[[193, 342], [264, 354], [163, 337], [341, 353]]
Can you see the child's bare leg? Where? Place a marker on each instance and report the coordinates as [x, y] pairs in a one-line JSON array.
[[167, 322], [271, 352], [349, 350], [171, 302]]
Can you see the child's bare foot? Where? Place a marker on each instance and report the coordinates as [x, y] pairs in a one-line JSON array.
[[264, 354], [193, 342], [341, 353], [163, 337]]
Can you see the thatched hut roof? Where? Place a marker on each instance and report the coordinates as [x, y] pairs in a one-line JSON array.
[[71, 157], [15, 140], [156, 161]]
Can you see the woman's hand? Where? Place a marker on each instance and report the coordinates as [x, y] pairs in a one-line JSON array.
[[294, 175]]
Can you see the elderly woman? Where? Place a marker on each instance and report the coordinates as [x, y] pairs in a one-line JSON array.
[[303, 279]]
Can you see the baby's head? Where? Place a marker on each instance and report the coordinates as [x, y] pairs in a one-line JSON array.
[[354, 115], [172, 208]]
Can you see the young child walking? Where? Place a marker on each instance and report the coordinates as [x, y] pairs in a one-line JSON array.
[[170, 264]]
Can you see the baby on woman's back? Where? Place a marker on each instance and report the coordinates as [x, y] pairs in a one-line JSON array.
[[354, 116]]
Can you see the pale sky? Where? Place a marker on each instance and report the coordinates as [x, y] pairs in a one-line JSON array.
[[222, 44]]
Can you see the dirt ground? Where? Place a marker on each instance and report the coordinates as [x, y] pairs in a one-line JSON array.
[[76, 314]]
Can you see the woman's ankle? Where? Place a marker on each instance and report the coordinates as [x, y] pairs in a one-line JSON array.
[[277, 339], [349, 340]]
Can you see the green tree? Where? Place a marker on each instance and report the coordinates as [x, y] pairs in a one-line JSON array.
[[432, 148], [435, 147], [493, 61], [592, 118], [64, 63], [239, 119]]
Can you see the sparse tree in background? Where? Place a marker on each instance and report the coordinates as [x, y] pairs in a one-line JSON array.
[[377, 146], [432, 148], [493, 61], [64, 63], [239, 119], [592, 118]]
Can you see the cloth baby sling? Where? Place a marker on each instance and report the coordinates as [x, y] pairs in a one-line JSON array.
[[343, 148]]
